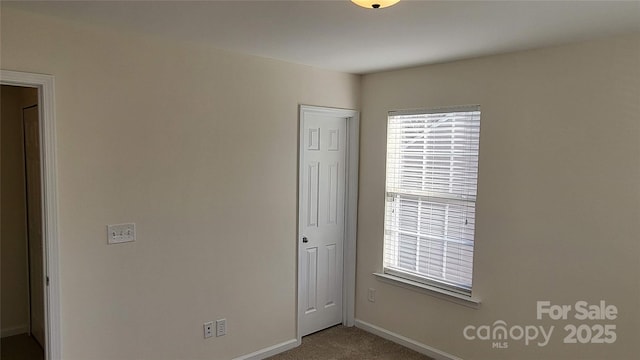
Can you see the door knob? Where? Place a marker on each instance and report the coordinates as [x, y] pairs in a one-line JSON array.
[[304, 239]]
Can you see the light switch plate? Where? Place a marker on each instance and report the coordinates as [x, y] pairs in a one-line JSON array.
[[221, 327], [120, 233]]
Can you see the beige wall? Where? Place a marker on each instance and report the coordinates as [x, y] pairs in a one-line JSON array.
[[559, 195], [13, 263], [198, 147]]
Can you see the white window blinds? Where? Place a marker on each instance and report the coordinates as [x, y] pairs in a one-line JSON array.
[[432, 167]]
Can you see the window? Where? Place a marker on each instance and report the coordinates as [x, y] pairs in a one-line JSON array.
[[432, 167]]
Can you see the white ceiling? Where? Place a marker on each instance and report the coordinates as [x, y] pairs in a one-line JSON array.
[[335, 34]]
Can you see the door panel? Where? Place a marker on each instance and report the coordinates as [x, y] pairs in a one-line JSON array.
[[312, 279], [313, 187], [34, 222], [322, 188]]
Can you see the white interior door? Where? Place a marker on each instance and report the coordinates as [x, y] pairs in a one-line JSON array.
[[322, 220], [34, 222]]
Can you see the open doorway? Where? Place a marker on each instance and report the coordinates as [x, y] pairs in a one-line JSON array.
[[22, 305]]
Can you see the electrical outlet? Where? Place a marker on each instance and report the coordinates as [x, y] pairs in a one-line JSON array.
[[208, 329], [371, 295], [121, 233], [221, 327]]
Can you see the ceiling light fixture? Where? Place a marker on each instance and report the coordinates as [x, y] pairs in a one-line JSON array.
[[374, 4]]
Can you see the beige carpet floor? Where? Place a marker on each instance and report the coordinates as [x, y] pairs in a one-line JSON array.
[[343, 343], [20, 347]]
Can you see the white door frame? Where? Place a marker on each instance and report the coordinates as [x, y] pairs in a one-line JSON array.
[[45, 86], [351, 210]]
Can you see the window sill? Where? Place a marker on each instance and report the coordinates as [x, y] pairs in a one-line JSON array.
[[430, 290]]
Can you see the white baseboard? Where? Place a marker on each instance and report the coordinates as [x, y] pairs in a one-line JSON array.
[[16, 330], [270, 351], [406, 342]]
